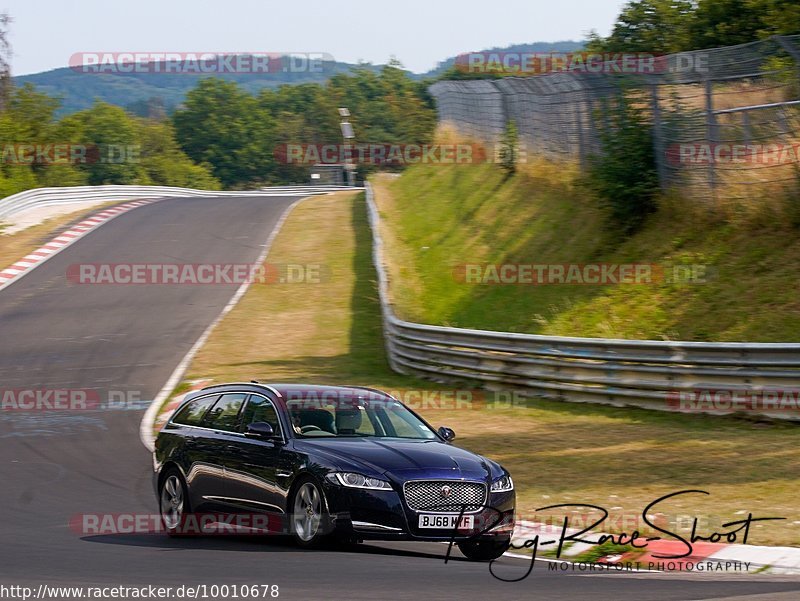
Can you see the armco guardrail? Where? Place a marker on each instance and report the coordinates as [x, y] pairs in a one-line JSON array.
[[40, 197], [645, 373]]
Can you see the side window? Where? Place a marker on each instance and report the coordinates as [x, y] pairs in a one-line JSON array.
[[354, 421], [194, 412], [225, 413], [394, 419], [259, 409]]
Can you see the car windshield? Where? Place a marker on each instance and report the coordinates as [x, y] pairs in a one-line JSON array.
[[362, 418]]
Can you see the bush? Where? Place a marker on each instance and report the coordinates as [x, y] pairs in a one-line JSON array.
[[509, 148], [624, 176]]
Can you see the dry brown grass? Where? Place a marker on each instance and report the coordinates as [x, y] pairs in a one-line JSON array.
[[725, 96], [277, 329], [15, 246]]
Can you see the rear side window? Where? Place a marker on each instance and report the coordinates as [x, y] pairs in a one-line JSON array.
[[225, 413], [194, 412]]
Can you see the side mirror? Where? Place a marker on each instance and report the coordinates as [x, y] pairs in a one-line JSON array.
[[260, 430], [447, 434]]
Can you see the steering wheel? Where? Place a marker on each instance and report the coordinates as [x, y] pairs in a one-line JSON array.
[[309, 428]]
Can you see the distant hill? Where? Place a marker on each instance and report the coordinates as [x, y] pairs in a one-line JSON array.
[[155, 92], [134, 91], [564, 46]]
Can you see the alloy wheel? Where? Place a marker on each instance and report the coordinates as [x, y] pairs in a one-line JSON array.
[[307, 514], [172, 502]]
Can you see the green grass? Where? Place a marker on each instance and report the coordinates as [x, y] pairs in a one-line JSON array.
[[557, 452], [439, 217]]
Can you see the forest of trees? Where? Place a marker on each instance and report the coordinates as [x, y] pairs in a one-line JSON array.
[[237, 134], [222, 136], [31, 139]]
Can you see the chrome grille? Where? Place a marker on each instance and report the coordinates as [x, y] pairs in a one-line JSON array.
[[437, 495]]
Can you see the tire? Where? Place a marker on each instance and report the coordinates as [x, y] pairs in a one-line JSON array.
[[484, 550], [308, 522], [173, 502]]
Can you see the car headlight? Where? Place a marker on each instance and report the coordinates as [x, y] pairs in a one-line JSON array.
[[352, 480], [504, 484]]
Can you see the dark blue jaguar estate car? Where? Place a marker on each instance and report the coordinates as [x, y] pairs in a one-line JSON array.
[[329, 463]]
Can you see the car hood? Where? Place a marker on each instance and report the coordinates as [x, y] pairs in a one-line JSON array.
[[401, 459]]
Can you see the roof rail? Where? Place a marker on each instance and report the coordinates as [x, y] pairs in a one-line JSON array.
[[251, 383]]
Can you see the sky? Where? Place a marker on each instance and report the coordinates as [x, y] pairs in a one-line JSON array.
[[420, 33]]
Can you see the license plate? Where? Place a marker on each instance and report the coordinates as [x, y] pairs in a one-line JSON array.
[[445, 522]]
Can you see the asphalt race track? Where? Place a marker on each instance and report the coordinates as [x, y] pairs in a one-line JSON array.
[[54, 466]]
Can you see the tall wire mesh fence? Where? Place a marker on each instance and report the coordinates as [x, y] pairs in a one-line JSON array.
[[725, 121]]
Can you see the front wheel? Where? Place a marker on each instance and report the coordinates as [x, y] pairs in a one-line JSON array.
[[308, 519], [484, 550], [173, 502]]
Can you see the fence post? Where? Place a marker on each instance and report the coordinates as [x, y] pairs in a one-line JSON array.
[[711, 136], [581, 145], [746, 132], [658, 139], [504, 116]]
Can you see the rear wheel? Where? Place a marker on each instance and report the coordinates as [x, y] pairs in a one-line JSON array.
[[308, 521], [173, 502], [484, 550]]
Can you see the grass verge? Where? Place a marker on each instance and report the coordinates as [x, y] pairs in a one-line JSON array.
[[736, 272]]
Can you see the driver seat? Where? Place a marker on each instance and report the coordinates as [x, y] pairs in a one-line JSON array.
[[348, 421], [317, 417]]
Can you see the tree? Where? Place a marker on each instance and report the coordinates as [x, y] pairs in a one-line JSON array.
[[163, 162], [725, 23], [223, 126], [654, 26], [113, 148], [151, 108], [624, 173], [27, 121], [5, 58], [666, 26], [781, 17], [32, 113]]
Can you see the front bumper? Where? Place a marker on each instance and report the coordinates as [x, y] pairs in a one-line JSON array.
[[383, 515]]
